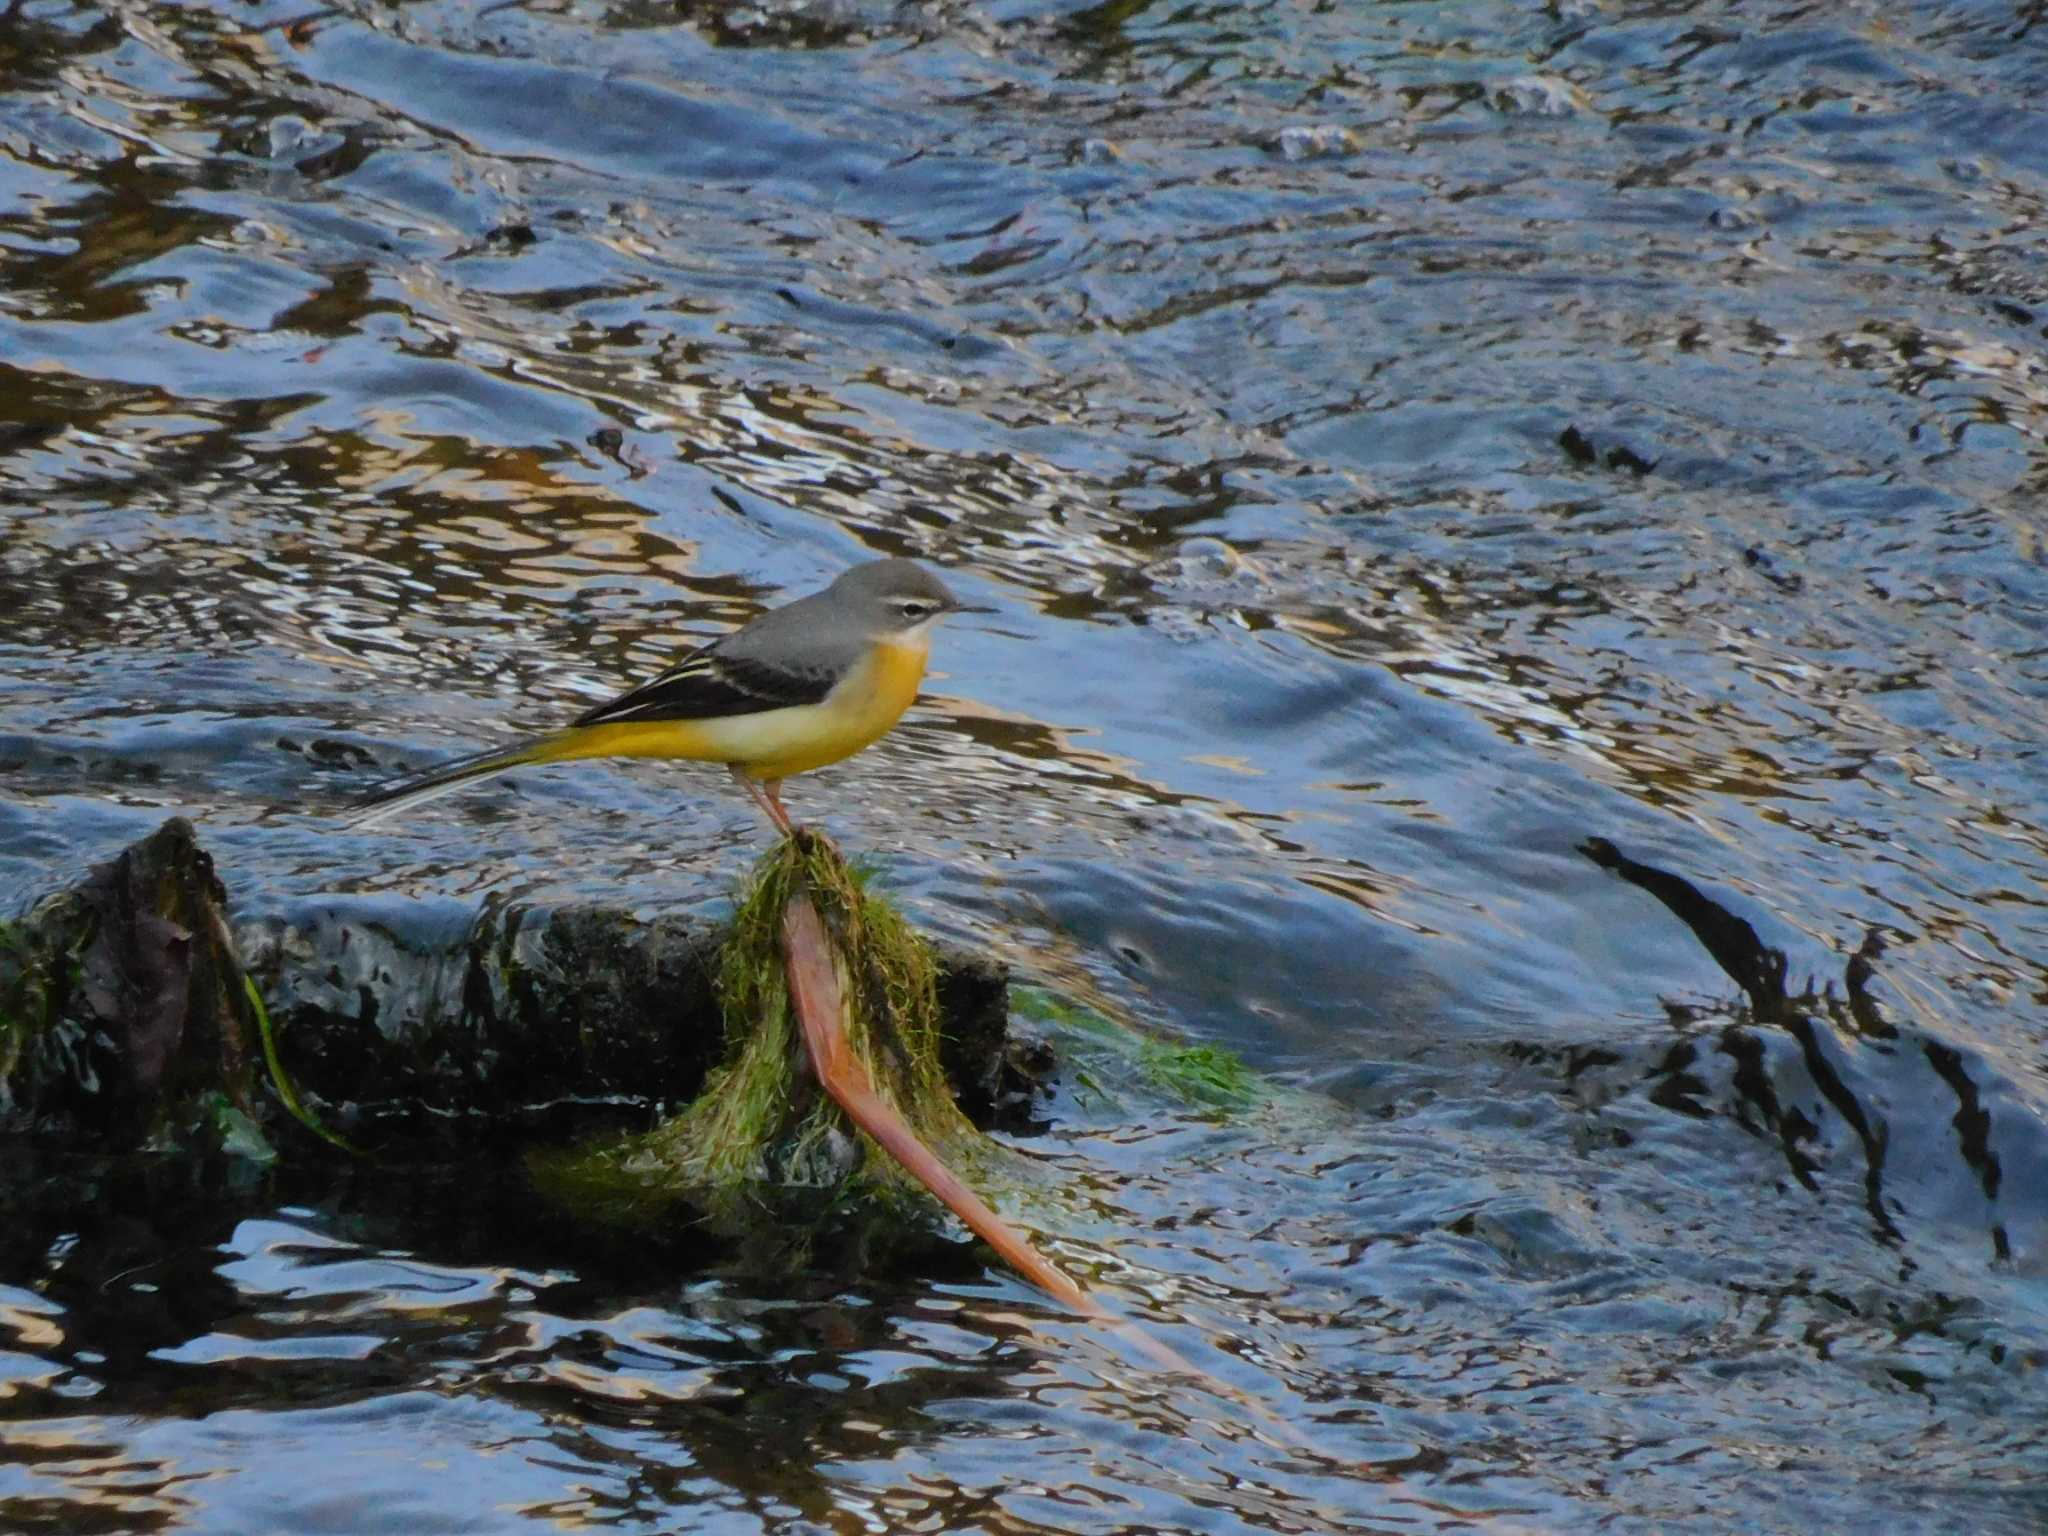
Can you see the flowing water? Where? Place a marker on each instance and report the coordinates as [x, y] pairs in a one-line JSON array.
[[1401, 442]]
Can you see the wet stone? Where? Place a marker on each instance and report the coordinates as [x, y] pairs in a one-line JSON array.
[[435, 1025]]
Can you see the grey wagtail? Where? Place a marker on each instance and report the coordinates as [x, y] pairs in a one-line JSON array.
[[797, 688]]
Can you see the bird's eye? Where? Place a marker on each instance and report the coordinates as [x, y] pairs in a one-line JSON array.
[[914, 608]]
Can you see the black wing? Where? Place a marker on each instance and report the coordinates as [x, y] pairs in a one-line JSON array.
[[708, 684]]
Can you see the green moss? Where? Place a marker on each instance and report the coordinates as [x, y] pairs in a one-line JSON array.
[[13, 986], [36, 973], [280, 1081], [1100, 1051], [1205, 1075], [238, 1134], [762, 1137], [1050, 1008]]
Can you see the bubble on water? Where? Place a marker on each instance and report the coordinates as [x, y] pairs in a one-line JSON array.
[[291, 135], [1537, 96], [1209, 557], [1203, 581], [1203, 565], [1320, 141]]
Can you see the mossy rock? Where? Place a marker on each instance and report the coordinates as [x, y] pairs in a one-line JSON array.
[[123, 1018], [763, 1141]]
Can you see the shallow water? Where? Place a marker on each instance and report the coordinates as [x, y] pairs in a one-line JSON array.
[[1401, 443]]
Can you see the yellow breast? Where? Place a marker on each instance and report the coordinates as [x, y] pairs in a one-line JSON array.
[[859, 712]]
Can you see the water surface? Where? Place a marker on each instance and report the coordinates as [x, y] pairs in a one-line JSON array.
[[1401, 442]]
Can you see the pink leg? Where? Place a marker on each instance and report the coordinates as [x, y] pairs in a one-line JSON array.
[[766, 794]]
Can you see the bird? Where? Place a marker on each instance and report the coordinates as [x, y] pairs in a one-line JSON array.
[[796, 688]]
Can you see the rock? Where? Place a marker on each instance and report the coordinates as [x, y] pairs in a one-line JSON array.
[[432, 1026], [123, 1019]]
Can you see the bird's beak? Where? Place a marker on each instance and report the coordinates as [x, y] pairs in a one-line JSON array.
[[972, 608]]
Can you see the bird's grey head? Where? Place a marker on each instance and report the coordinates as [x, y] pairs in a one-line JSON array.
[[895, 596]]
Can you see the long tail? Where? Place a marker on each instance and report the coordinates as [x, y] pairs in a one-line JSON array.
[[409, 790]]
